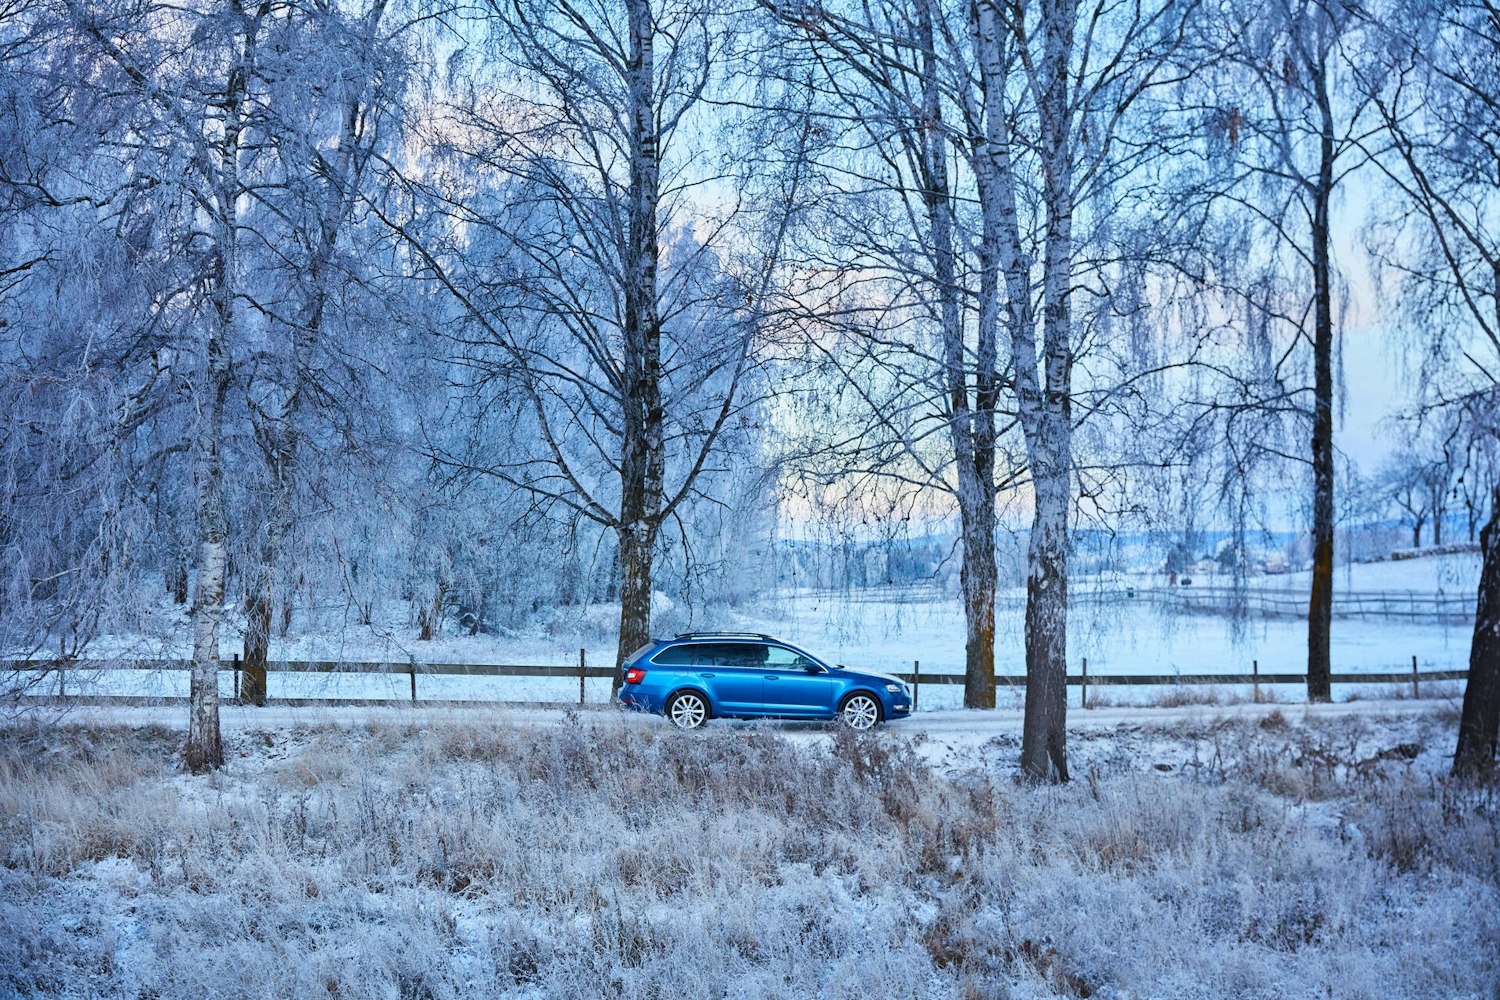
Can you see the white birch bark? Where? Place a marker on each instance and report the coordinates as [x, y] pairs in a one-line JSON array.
[[643, 459], [1042, 371], [204, 749]]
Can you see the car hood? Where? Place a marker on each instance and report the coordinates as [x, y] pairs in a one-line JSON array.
[[871, 675]]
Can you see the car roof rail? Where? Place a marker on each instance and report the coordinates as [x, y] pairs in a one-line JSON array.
[[725, 635]]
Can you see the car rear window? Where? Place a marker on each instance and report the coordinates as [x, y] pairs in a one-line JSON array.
[[634, 657], [676, 656]]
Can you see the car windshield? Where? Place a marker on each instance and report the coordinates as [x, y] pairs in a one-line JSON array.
[[780, 656]]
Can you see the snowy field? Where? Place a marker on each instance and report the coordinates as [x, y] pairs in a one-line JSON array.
[[879, 629], [1255, 852], [1437, 575]]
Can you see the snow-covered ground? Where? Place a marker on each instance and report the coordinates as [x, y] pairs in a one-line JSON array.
[[1445, 575], [1448, 574], [1254, 852], [1122, 638], [879, 629]]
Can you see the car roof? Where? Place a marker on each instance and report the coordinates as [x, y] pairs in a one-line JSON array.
[[688, 636]]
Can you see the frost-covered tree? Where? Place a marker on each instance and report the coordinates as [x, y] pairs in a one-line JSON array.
[[193, 71], [891, 284], [610, 282], [1288, 124], [1439, 152], [83, 386], [1009, 141], [1068, 93], [1406, 482], [244, 157], [332, 80], [1421, 476]]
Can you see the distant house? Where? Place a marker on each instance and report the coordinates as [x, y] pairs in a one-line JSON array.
[[1205, 567], [1274, 564]]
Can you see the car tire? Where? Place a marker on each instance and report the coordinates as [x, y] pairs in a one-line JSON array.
[[687, 710], [860, 711]]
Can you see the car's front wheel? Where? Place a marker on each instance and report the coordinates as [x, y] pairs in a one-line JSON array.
[[860, 712], [688, 710]]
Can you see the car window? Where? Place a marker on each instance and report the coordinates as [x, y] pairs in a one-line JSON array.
[[780, 656], [635, 657], [676, 656], [732, 654], [729, 654]]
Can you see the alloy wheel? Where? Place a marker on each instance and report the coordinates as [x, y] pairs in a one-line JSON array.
[[860, 712], [688, 711]]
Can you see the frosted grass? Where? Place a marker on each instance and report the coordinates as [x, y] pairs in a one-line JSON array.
[[607, 859]]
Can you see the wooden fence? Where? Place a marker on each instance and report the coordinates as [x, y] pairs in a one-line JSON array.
[[1264, 602], [582, 672], [1273, 603]]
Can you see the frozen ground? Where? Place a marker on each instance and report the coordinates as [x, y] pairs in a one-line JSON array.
[[361, 852]]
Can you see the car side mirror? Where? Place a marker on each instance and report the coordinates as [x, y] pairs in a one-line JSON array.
[[813, 668]]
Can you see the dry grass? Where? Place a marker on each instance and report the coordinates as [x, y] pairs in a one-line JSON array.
[[1179, 696], [604, 860]]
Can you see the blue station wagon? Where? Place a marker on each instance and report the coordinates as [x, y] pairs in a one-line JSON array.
[[705, 675]]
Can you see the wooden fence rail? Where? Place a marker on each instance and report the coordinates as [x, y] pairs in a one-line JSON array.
[[1266, 602], [582, 671], [1274, 603]]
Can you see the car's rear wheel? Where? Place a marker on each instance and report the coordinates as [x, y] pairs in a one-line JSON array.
[[859, 711], [688, 710]]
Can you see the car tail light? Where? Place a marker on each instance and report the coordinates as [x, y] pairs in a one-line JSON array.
[[634, 675]]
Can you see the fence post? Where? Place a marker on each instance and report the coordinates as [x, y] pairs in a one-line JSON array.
[[581, 670], [916, 683], [1084, 698], [1416, 686], [236, 662], [413, 668], [1255, 679], [62, 666]]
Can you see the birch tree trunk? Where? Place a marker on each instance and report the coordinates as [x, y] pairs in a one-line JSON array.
[[1479, 724], [643, 458], [1046, 420], [1320, 602], [1044, 402], [204, 750], [257, 648], [971, 428], [1004, 252], [280, 451]]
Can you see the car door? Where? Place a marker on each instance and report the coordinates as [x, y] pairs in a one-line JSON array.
[[731, 673], [795, 684]]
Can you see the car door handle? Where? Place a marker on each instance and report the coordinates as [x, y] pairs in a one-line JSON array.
[[772, 677], [705, 676]]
